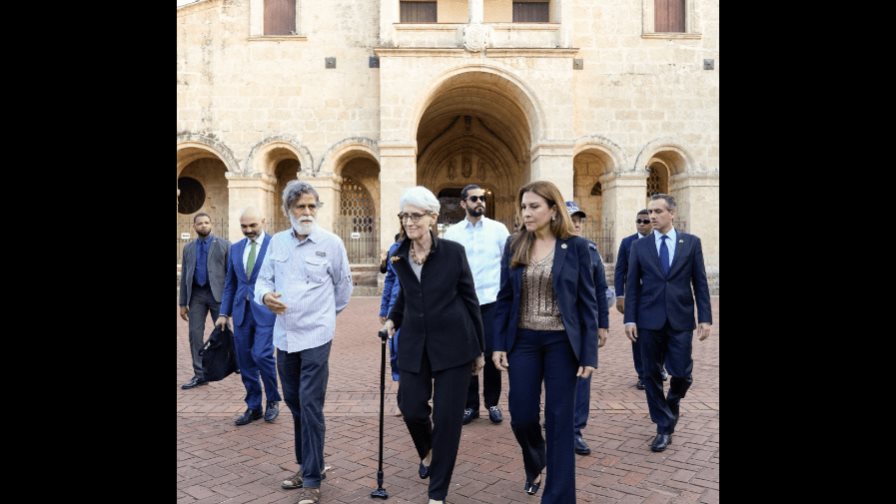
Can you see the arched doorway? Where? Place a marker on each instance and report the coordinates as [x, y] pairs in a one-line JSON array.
[[203, 188], [475, 129]]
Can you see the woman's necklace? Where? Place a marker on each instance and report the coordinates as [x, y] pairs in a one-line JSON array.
[[414, 256]]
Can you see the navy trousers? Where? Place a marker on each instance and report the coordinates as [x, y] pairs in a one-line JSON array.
[[674, 349], [304, 377], [254, 347], [536, 357]]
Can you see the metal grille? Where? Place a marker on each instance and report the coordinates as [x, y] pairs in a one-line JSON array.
[[654, 183], [357, 224], [602, 235]]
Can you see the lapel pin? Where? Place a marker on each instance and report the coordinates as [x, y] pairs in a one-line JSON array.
[[680, 241], [563, 245]]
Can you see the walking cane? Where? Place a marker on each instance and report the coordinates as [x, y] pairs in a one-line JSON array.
[[380, 492]]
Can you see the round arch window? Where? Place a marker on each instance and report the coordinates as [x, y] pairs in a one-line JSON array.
[[192, 195]]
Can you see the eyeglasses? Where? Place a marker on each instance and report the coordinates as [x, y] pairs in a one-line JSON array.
[[642, 221], [474, 199], [414, 217]]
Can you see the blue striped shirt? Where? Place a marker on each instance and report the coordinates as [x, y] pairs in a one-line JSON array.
[[315, 281]]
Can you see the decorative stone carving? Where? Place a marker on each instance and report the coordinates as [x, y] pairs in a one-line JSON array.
[[480, 169], [467, 168], [476, 37], [452, 169]]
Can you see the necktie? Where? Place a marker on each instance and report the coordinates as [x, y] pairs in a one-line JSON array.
[[250, 263], [664, 256], [202, 264]]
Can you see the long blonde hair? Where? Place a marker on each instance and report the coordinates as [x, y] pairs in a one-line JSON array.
[[523, 239]]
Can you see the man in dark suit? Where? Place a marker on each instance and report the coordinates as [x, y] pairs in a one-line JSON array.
[[642, 221], [583, 385], [203, 266], [665, 275], [253, 324]]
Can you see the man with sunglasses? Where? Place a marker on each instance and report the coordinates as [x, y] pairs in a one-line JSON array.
[[642, 221], [483, 240]]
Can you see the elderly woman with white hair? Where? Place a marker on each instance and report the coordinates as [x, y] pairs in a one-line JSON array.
[[441, 337]]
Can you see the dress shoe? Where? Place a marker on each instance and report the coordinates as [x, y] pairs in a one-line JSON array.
[[665, 375], [271, 412], [423, 471], [194, 382], [248, 416], [581, 447], [532, 487], [494, 414], [660, 442], [639, 385], [469, 415], [237, 371]]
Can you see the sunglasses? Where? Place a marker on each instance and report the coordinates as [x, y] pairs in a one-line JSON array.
[[474, 199], [642, 221]]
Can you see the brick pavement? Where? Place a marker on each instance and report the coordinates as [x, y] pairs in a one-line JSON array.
[[218, 462]]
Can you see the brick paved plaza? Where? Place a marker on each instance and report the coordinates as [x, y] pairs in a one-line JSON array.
[[218, 462]]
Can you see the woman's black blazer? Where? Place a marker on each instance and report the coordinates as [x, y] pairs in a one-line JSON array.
[[440, 312]]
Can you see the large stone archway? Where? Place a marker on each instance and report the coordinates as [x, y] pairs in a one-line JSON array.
[[475, 129]]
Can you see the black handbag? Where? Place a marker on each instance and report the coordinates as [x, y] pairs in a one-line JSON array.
[[218, 355]]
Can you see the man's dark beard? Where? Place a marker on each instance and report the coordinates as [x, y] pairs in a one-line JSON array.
[[475, 212], [203, 235]]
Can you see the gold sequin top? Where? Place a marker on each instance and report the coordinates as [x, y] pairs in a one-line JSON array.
[[539, 310]]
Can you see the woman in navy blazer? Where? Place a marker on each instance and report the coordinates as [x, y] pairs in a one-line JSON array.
[[441, 337], [545, 331]]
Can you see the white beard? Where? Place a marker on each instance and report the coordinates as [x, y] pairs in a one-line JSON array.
[[302, 228]]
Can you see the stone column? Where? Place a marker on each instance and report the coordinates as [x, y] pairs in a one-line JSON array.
[[554, 162], [255, 191], [476, 11], [697, 198], [398, 171], [328, 187], [623, 194]]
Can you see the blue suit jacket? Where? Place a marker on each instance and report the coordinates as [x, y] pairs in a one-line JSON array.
[[573, 282], [238, 288], [654, 298], [622, 263]]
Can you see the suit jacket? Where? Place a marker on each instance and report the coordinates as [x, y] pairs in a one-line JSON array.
[[573, 282], [622, 263], [654, 298], [440, 311], [238, 288], [217, 268]]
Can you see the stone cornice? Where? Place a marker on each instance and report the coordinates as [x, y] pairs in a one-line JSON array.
[[492, 52]]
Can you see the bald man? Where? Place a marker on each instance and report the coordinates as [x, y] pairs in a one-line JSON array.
[[253, 324]]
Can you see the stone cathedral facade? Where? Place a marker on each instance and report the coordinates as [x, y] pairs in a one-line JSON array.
[[612, 101]]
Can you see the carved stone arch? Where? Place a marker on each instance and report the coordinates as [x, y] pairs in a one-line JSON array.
[[516, 87], [606, 146], [344, 151], [264, 155], [500, 161], [671, 152], [193, 146]]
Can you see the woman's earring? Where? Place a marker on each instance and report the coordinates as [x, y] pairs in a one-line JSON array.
[[554, 218]]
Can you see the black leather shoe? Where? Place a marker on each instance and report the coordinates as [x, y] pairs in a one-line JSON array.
[[423, 471], [271, 412], [660, 442], [639, 385], [469, 415], [248, 416], [530, 487], [237, 371], [665, 375], [194, 382], [580, 446], [494, 414]]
